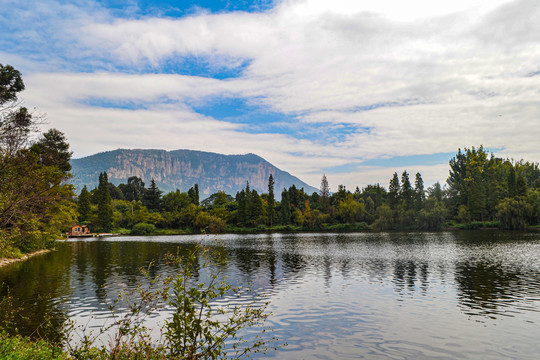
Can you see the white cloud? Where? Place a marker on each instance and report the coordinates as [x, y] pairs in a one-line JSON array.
[[396, 10], [439, 76]]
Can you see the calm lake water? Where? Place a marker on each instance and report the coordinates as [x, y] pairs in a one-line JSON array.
[[466, 294]]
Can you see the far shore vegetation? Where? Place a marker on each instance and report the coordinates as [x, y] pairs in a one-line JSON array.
[[482, 191]]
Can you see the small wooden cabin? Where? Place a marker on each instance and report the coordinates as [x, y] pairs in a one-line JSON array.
[[79, 230]]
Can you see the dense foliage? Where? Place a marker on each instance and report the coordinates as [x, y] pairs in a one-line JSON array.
[[35, 198], [480, 190]]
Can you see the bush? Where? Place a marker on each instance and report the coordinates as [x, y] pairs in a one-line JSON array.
[[198, 329], [361, 226], [21, 348], [513, 213], [143, 229], [212, 224]]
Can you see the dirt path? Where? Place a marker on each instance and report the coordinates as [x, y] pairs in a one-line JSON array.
[[4, 262]]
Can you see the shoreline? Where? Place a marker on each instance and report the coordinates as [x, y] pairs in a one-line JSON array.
[[8, 261]]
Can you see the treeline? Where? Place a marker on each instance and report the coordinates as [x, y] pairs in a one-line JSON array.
[[481, 190], [36, 201]]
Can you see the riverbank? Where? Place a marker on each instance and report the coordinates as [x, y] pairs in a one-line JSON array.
[[8, 261]]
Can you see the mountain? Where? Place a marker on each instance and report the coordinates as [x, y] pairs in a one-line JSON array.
[[181, 169]]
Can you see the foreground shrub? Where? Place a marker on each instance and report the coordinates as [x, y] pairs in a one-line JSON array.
[[21, 348], [198, 329]]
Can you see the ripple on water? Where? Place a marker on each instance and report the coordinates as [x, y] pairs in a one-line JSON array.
[[373, 295]]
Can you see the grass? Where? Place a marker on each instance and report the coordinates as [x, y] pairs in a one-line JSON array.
[[21, 348]]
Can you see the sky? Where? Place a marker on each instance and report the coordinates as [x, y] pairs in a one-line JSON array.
[[352, 89]]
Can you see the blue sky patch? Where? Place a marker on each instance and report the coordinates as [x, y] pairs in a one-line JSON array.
[[400, 161], [180, 8], [259, 120], [114, 104], [206, 66]]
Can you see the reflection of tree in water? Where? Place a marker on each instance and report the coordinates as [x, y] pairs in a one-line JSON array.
[[40, 299], [486, 288], [407, 273]]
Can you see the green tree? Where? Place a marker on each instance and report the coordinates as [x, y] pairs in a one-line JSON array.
[[469, 181], [115, 192], [376, 192], [34, 194], [407, 192], [285, 208], [242, 213], [193, 194], [513, 212], [257, 209], [511, 181], [83, 205], [521, 186], [393, 192], [271, 200], [385, 218], [350, 210], [152, 197], [175, 201], [52, 149], [11, 83], [105, 211], [435, 191], [324, 194], [432, 216], [133, 190], [419, 192], [340, 195]]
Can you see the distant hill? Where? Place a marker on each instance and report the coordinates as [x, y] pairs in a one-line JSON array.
[[181, 169]]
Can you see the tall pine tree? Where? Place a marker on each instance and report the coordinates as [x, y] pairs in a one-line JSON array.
[[285, 208], [271, 200], [324, 193], [105, 211], [393, 192], [193, 194], [83, 205], [419, 192], [407, 193], [152, 197]]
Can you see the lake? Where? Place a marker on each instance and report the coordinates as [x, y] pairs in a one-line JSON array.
[[463, 294]]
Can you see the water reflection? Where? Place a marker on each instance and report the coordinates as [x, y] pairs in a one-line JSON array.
[[351, 294]]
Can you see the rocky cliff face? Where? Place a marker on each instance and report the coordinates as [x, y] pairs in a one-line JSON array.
[[181, 169]]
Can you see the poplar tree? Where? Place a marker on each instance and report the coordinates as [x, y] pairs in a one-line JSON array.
[[285, 208], [324, 192], [193, 194], [271, 200], [407, 193], [105, 211], [257, 210], [242, 207], [393, 192], [419, 193], [83, 205]]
